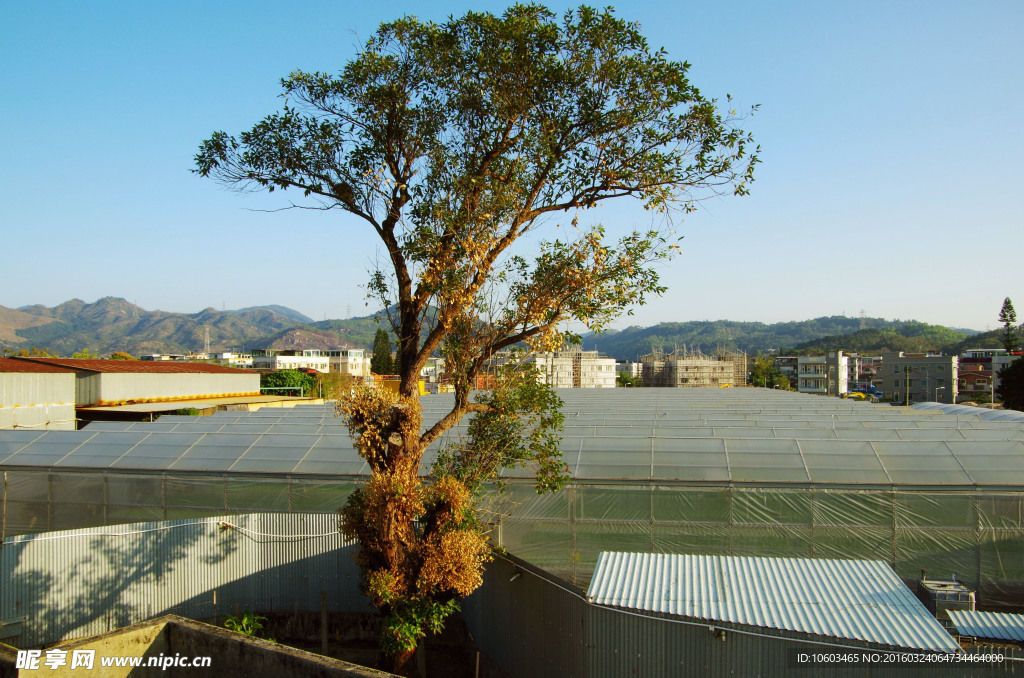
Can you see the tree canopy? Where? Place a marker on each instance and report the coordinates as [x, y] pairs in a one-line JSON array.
[[1008, 316], [1011, 385], [452, 141], [381, 362], [301, 382]]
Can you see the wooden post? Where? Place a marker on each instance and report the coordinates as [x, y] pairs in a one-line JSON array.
[[323, 623]]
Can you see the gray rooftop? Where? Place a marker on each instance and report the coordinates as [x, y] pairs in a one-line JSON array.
[[845, 599], [989, 625], [700, 436]]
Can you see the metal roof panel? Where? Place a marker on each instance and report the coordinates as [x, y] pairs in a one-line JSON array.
[[852, 599]]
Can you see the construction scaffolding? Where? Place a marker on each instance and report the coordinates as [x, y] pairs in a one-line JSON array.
[[690, 369]]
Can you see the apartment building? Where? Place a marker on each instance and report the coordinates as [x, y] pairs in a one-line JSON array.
[[693, 369], [920, 377], [274, 359], [825, 374], [575, 369], [570, 368]]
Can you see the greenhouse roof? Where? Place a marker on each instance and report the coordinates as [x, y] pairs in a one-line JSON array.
[[851, 599], [703, 436]]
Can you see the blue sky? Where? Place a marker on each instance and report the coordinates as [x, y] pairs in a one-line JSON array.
[[891, 142]]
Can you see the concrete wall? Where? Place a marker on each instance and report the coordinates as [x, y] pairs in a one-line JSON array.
[[121, 388], [37, 400], [161, 642]]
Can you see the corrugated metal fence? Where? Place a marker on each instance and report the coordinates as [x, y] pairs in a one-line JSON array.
[[528, 623], [82, 582]]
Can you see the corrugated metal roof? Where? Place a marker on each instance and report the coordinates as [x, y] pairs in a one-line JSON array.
[[15, 365], [141, 366], [853, 599], [992, 625]]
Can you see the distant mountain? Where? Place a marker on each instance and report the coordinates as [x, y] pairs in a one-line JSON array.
[[279, 310], [298, 338], [113, 324], [12, 320], [849, 334]]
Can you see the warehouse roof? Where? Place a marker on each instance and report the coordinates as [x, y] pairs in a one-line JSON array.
[[15, 365], [134, 366], [847, 599]]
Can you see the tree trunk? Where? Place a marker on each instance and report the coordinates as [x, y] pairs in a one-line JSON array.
[[402, 664]]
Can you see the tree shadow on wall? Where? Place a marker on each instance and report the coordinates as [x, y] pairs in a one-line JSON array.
[[77, 586]]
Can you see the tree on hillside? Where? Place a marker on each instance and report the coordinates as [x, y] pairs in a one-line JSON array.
[[121, 355], [451, 142], [1011, 385], [1008, 316], [381, 362]]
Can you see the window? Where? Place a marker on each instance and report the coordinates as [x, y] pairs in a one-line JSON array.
[[895, 369]]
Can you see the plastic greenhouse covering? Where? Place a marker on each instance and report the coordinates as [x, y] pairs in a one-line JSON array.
[[747, 472]]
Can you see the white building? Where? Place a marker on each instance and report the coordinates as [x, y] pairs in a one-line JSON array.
[[811, 374], [632, 369], [572, 368], [824, 374], [240, 361], [575, 369], [350, 361], [273, 359]]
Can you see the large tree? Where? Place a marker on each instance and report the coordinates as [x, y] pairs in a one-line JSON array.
[[451, 142], [381, 362], [1011, 385], [1008, 316]]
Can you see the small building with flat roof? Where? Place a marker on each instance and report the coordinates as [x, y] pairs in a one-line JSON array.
[[125, 382]]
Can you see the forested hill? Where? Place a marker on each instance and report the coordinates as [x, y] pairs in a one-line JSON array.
[[113, 324], [865, 335]]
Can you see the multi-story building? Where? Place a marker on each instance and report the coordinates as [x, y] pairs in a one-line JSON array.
[[920, 377], [829, 374], [693, 369], [632, 369], [789, 366], [570, 368], [993, 360], [274, 359], [575, 369], [973, 383], [237, 360], [350, 361], [812, 374]]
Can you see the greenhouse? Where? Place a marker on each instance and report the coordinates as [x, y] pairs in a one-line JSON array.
[[701, 471]]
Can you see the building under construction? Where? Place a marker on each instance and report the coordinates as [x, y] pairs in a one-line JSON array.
[[694, 369]]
